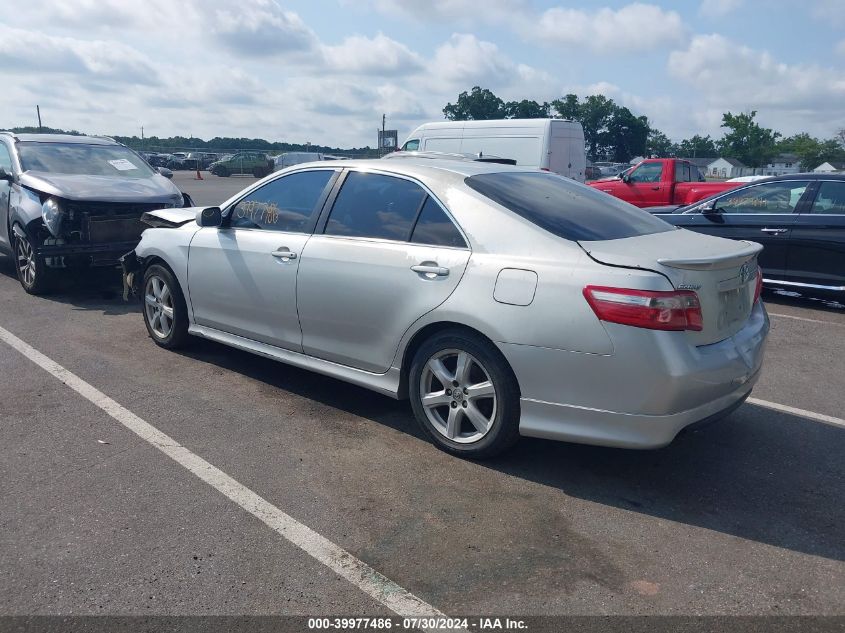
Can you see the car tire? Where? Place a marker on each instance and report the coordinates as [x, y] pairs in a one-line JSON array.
[[31, 269], [164, 309], [259, 172], [472, 413], [222, 172]]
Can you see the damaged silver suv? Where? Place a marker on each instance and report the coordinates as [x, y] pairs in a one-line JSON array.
[[73, 202]]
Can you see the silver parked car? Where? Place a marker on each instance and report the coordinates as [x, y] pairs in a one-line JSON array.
[[502, 301]]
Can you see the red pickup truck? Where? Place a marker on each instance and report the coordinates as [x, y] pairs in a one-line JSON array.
[[659, 182]]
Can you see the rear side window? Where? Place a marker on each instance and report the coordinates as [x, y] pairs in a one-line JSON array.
[[566, 208], [682, 172], [831, 198], [285, 204], [374, 205], [434, 227]]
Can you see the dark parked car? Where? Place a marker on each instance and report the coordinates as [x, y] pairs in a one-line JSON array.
[[799, 219], [73, 202]]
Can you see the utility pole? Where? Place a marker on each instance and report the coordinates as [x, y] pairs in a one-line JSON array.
[[38, 112]]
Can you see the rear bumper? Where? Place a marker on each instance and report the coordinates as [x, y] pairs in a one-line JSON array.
[[643, 394]]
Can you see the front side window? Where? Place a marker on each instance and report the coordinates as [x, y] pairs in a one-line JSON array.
[[831, 198], [83, 159], [773, 197], [285, 204], [412, 146], [434, 227], [650, 172], [374, 205], [5, 158], [566, 208]]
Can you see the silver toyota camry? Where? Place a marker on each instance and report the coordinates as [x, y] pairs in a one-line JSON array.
[[501, 301]]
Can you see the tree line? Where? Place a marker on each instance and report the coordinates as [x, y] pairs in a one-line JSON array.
[[613, 133], [218, 143]]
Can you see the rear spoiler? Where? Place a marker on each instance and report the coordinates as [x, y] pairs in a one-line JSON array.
[[717, 262]]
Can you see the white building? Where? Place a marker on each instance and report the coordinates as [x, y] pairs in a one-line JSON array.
[[783, 164], [830, 167], [726, 168]]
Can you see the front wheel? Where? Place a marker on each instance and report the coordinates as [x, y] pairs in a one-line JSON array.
[[33, 273], [222, 171], [465, 395], [165, 311]]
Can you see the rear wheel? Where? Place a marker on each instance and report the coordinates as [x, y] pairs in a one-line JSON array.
[[165, 311], [33, 273], [464, 395]]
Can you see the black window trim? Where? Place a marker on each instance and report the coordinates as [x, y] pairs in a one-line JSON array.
[[332, 198], [308, 229]]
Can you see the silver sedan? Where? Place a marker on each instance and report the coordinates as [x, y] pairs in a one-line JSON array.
[[501, 301]]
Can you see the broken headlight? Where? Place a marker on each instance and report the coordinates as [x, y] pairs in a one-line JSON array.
[[53, 216]]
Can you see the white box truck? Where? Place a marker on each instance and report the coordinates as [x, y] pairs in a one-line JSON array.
[[555, 145]]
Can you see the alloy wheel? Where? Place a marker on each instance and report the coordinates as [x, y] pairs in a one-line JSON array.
[[158, 306], [25, 261], [458, 396]]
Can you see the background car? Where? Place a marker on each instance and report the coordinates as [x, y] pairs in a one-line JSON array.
[[502, 301], [72, 202], [255, 163], [798, 218]]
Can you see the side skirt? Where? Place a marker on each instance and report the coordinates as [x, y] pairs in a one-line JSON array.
[[387, 383]]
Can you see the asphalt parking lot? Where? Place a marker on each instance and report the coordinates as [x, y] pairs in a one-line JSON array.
[[743, 517]]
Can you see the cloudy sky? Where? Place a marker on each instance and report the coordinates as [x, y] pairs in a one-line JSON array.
[[324, 71]]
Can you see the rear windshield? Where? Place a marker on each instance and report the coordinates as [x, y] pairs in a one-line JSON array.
[[82, 159], [565, 208]]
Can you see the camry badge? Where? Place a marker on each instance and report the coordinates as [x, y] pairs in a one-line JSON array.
[[689, 286]]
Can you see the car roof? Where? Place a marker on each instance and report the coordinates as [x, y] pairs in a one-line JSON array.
[[426, 167], [62, 138]]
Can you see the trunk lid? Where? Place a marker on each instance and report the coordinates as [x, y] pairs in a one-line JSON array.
[[723, 273]]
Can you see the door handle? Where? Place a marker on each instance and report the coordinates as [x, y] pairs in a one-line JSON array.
[[283, 254], [656, 188], [430, 271], [774, 231]]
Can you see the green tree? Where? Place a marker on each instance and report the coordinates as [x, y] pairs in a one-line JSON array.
[[526, 109], [746, 140], [660, 145], [627, 135], [811, 151], [478, 104], [697, 147], [568, 107]]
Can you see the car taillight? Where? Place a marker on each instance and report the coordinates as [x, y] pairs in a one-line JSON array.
[[652, 309], [759, 287]]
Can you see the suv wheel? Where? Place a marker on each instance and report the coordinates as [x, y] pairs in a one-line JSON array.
[[32, 271], [222, 171], [165, 312], [464, 395]]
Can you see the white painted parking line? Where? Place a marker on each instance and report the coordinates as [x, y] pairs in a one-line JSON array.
[[797, 318], [367, 579], [812, 415]]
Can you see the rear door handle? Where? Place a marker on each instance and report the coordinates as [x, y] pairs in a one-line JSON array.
[[283, 254], [430, 271], [774, 231]]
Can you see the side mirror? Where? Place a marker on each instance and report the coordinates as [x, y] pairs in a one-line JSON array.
[[210, 216], [164, 171], [4, 175]]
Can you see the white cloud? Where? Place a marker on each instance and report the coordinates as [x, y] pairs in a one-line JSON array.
[[635, 27], [737, 75], [466, 11], [261, 28], [379, 55], [719, 8], [23, 51]]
